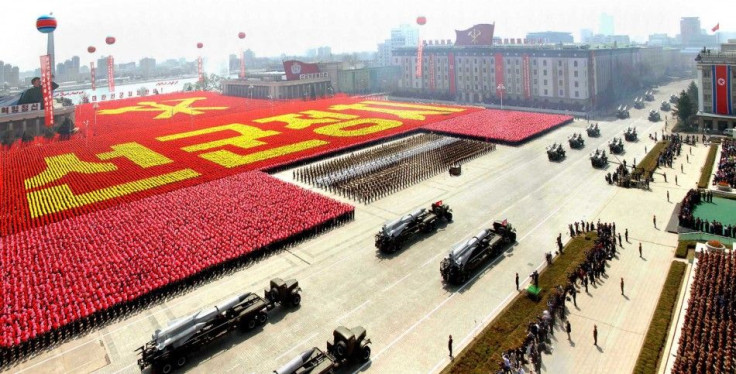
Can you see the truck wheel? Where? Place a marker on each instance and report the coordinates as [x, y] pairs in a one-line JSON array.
[[449, 217], [167, 368], [296, 299], [274, 295], [181, 361], [340, 350], [365, 354], [250, 324], [262, 317]]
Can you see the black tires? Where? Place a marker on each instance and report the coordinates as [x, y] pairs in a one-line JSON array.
[[341, 348], [365, 354], [180, 361], [296, 299], [262, 317]]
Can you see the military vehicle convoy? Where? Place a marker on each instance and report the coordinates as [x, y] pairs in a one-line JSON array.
[[630, 134], [593, 130], [394, 233], [555, 152], [348, 346], [598, 158], [616, 146], [576, 141], [665, 106], [649, 95], [674, 99], [639, 103], [470, 254], [171, 346], [622, 112], [654, 116]]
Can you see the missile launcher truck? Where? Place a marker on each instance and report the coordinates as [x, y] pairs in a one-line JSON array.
[[171, 346], [593, 130], [576, 141], [470, 254], [394, 233], [348, 346]]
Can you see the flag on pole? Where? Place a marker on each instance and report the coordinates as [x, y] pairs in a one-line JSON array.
[[92, 73], [110, 74], [716, 27]]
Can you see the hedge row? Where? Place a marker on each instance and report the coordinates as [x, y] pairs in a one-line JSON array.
[[648, 165], [683, 246], [655, 340], [508, 329], [708, 167]]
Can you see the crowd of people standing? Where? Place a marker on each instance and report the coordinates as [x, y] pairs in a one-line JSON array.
[[686, 218], [727, 164]]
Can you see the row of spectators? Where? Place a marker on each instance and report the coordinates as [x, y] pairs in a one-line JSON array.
[[537, 339], [708, 340], [687, 219], [727, 164]]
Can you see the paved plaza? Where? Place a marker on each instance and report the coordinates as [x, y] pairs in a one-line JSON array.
[[400, 298]]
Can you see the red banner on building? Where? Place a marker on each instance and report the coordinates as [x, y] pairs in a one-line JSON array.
[[92, 73], [110, 74], [526, 76], [296, 69], [498, 67], [722, 89], [451, 72], [199, 69], [431, 72], [477, 35], [48, 98], [419, 58]]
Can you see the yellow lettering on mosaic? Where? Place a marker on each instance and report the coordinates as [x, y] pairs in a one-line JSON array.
[[59, 198], [342, 129], [59, 166], [230, 160], [247, 138], [136, 153], [380, 106], [298, 121], [166, 111]]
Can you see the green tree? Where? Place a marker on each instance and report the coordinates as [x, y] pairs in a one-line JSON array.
[[692, 92], [684, 107]]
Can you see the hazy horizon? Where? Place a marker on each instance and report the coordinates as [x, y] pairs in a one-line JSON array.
[[171, 29]]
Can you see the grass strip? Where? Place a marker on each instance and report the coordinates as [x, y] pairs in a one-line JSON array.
[[508, 329], [648, 165], [682, 248], [655, 340], [708, 167]]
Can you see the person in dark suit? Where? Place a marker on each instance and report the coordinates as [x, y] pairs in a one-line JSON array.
[[34, 94]]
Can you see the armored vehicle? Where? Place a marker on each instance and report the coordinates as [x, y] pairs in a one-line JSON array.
[[576, 141], [674, 99], [555, 152], [171, 346], [649, 96], [394, 233], [622, 112], [639, 103], [598, 158], [654, 116], [665, 106], [349, 345], [470, 254], [593, 130], [630, 134], [616, 146]]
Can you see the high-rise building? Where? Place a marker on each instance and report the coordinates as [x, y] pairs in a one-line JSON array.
[[586, 35], [605, 26], [689, 30], [402, 36], [147, 67]]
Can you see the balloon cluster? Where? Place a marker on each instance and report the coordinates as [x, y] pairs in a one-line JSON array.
[[74, 269]]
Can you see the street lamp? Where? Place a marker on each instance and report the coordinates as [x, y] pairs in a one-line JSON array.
[[251, 91], [501, 88]]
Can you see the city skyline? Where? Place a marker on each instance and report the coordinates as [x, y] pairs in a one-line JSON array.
[[168, 29]]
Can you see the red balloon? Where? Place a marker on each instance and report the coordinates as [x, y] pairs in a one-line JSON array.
[[421, 20], [241, 35], [200, 45], [110, 40], [91, 49]]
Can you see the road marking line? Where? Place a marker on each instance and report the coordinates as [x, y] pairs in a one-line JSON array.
[[354, 310], [395, 283]]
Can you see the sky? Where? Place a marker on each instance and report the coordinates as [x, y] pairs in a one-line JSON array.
[[172, 28]]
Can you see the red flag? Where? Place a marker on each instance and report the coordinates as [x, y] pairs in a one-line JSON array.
[[199, 69], [419, 58], [92, 73], [716, 27], [505, 222], [110, 74], [48, 100]]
